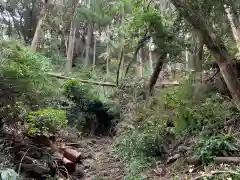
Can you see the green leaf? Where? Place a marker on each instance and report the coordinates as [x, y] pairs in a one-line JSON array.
[[8, 174], [230, 146]]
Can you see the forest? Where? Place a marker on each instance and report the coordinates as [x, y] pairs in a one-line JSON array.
[[119, 89]]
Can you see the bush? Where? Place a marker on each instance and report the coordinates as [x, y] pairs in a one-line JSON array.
[[148, 136], [46, 120], [88, 113], [209, 147], [191, 115], [23, 78]]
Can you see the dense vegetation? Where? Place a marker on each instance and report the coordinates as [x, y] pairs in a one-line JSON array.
[[160, 79]]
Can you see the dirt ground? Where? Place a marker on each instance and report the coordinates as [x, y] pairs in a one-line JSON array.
[[102, 162]]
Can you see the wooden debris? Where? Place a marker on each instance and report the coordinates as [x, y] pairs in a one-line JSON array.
[[227, 160], [72, 155], [70, 166]]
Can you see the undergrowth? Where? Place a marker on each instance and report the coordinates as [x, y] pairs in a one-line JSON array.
[[23, 80], [172, 114], [46, 121]]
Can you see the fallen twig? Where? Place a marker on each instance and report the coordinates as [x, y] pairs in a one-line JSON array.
[[19, 168]]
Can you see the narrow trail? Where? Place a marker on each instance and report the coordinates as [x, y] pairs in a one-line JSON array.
[[103, 163]]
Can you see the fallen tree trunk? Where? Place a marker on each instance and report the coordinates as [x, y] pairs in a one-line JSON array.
[[227, 160], [216, 160], [83, 81]]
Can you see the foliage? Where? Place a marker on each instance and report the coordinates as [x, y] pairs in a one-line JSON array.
[[88, 112], [147, 138], [220, 145], [46, 120], [8, 174], [191, 115], [23, 78], [81, 94]]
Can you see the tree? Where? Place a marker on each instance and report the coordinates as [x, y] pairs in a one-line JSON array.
[[215, 46], [71, 39], [234, 21], [37, 34]]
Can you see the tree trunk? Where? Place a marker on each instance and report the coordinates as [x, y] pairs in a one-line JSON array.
[[87, 46], [187, 59], [94, 52], [150, 56], [216, 48], [71, 40], [37, 35], [119, 66], [139, 63], [198, 56], [156, 72], [235, 25], [121, 73], [107, 68], [70, 50]]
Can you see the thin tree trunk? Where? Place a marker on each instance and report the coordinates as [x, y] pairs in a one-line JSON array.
[[107, 68], [187, 59], [87, 46], [235, 25], [119, 66], [150, 56], [122, 66], [217, 49], [94, 52], [70, 49], [156, 72], [121, 58], [37, 35], [71, 40], [139, 63]]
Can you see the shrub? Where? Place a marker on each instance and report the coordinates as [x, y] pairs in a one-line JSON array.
[[46, 120], [194, 115], [88, 113], [23, 78], [209, 147], [149, 136]]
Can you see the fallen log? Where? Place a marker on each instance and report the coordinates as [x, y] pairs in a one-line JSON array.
[[83, 81], [71, 154], [70, 166], [227, 160], [216, 160]]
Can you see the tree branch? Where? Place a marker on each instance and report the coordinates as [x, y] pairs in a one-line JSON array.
[[139, 46]]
